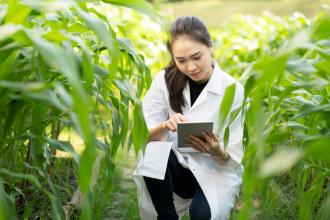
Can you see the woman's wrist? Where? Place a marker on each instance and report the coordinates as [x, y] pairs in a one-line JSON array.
[[162, 125], [223, 155], [226, 156], [158, 133]]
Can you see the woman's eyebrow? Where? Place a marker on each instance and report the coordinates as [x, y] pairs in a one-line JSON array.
[[197, 53]]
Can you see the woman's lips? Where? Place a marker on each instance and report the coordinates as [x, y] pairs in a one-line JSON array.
[[194, 74]]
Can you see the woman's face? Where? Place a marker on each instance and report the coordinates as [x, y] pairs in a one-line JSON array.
[[193, 58]]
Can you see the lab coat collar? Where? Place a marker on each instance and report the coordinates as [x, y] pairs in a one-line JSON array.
[[216, 84]]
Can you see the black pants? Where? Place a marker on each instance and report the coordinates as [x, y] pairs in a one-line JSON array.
[[181, 181]]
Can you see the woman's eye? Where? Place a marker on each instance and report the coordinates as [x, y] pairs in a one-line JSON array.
[[181, 61], [197, 58]]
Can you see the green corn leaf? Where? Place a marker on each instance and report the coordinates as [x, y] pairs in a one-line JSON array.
[[63, 96], [7, 207], [88, 74], [296, 125], [47, 97], [301, 65], [49, 6], [233, 114], [17, 13], [268, 72], [139, 5], [85, 168], [29, 207], [250, 84], [8, 30], [55, 36], [308, 109], [324, 69], [30, 178], [22, 86], [226, 104], [139, 130], [321, 28], [38, 129], [105, 34], [127, 87], [323, 213], [65, 62], [116, 124], [318, 149], [226, 137], [6, 63], [62, 146], [57, 210]]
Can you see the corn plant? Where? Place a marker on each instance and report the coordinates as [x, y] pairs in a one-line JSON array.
[[287, 131], [63, 69]]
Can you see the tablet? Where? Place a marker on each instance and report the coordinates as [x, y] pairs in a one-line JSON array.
[[195, 128]]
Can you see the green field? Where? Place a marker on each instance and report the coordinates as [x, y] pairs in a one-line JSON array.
[[215, 12]]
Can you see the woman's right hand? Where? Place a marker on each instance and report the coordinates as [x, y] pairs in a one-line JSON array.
[[171, 124], [159, 132]]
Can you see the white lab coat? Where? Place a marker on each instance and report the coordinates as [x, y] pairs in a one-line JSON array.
[[220, 183]]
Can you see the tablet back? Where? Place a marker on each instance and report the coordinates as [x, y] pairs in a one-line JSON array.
[[196, 128]]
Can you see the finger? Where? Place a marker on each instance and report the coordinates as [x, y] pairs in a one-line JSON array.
[[205, 143], [197, 139], [179, 118], [194, 145], [198, 142], [169, 126], [207, 138], [215, 137], [173, 124], [182, 118]]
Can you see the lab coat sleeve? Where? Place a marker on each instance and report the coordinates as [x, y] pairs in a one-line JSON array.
[[235, 142], [154, 102]]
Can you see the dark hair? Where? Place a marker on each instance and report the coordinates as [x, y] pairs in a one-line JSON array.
[[194, 28]]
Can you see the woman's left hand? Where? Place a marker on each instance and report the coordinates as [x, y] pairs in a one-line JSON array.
[[209, 145]]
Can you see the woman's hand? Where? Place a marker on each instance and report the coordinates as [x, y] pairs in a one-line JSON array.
[[159, 132], [209, 145], [171, 124]]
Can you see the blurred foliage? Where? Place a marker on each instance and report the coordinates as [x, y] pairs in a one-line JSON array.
[[283, 63], [245, 38], [63, 69], [284, 66], [216, 12]]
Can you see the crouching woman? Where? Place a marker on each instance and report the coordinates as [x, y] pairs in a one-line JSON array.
[[204, 181]]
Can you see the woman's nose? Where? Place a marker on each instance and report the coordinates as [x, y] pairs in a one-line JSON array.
[[191, 66]]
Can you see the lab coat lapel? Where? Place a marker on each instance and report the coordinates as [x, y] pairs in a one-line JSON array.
[[186, 94]]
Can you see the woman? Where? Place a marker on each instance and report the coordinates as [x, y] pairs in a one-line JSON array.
[[190, 88]]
